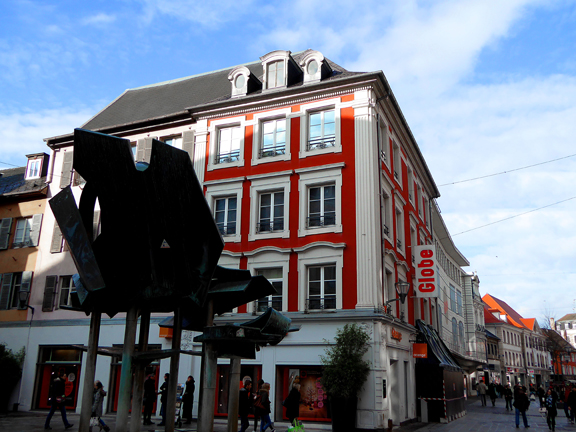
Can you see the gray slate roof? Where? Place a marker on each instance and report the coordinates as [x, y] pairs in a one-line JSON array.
[[174, 97], [12, 182], [568, 317]]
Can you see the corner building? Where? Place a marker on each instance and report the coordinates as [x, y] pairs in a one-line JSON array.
[[316, 182]]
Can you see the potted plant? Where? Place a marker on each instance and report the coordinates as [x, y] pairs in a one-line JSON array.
[[344, 373]]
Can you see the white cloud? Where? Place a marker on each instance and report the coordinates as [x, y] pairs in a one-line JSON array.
[[99, 19], [23, 133]]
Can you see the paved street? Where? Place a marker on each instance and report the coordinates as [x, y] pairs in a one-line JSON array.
[[484, 419]]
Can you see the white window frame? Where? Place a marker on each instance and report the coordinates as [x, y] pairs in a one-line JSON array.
[[400, 231], [387, 200], [397, 163], [34, 168], [214, 130], [317, 254], [319, 176], [382, 134], [258, 136], [269, 183], [311, 108], [270, 257], [71, 288], [410, 183], [24, 240], [177, 140], [224, 189]]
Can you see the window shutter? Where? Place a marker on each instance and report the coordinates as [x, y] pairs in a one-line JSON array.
[[56, 246], [5, 290], [25, 284], [35, 230], [96, 224], [5, 226], [66, 175], [50, 288], [188, 144], [144, 149]]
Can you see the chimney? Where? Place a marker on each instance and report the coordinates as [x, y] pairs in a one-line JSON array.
[[552, 323]]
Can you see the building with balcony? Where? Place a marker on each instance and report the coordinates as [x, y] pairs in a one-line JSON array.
[[316, 182]]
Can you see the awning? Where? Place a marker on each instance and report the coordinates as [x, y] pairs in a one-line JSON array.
[[440, 352]]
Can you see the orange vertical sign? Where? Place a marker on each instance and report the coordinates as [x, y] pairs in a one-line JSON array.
[[420, 350]]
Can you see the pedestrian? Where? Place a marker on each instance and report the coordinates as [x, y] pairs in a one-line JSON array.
[[481, 387], [500, 390], [163, 399], [58, 400], [97, 401], [292, 403], [188, 399], [255, 392], [263, 408], [492, 393], [571, 401], [521, 403], [245, 404], [550, 401], [541, 393], [150, 397], [565, 392], [508, 396]]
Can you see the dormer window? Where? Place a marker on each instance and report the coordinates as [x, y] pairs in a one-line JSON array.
[[280, 70], [37, 165], [315, 67], [243, 81]]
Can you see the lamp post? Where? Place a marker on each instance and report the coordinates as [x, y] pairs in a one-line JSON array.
[[402, 289]]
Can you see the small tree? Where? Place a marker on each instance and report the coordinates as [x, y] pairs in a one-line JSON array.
[[11, 367], [345, 370]]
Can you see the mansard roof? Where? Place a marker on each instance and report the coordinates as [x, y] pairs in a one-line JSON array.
[[13, 183], [173, 98]]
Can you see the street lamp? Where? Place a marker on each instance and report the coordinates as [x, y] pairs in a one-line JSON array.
[[23, 298], [402, 289]]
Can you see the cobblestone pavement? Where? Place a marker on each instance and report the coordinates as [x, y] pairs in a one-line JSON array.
[[478, 418]]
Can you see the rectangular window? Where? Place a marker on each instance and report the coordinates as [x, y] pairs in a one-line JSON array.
[[322, 287], [459, 302], [174, 142], [275, 76], [397, 165], [34, 168], [274, 276], [228, 144], [321, 206], [271, 217], [225, 215], [321, 130], [453, 304], [22, 235], [273, 138], [10, 286], [66, 289]]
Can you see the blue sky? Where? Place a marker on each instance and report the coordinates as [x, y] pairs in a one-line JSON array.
[[487, 86]]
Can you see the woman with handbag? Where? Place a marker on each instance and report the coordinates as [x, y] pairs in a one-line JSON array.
[[97, 401], [550, 401], [262, 408], [58, 400]]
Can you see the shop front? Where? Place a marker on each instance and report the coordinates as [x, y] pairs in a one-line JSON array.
[[53, 361]]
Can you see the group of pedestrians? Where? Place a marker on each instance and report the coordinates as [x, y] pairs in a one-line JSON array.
[[257, 402], [58, 401]]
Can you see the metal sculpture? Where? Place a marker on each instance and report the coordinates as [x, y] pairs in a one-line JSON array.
[[157, 252]]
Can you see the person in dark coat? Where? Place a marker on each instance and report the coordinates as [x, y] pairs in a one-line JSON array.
[[521, 403], [292, 403], [188, 399], [245, 404], [58, 400], [492, 393], [149, 399], [97, 404], [571, 402], [541, 393], [508, 397], [164, 399], [550, 401], [264, 412], [254, 392]]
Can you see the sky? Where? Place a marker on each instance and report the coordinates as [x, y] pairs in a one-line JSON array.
[[487, 87]]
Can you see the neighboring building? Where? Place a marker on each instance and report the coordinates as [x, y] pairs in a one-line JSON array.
[[563, 358], [316, 182], [566, 327], [525, 355], [494, 372]]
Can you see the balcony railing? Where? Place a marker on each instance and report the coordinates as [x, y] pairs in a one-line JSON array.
[[321, 143], [320, 221], [227, 230], [399, 243], [271, 226], [320, 303], [227, 157], [273, 151]]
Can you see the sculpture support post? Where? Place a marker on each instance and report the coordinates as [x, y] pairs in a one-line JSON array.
[[87, 394], [234, 394], [126, 375], [208, 378], [140, 369], [174, 366]]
